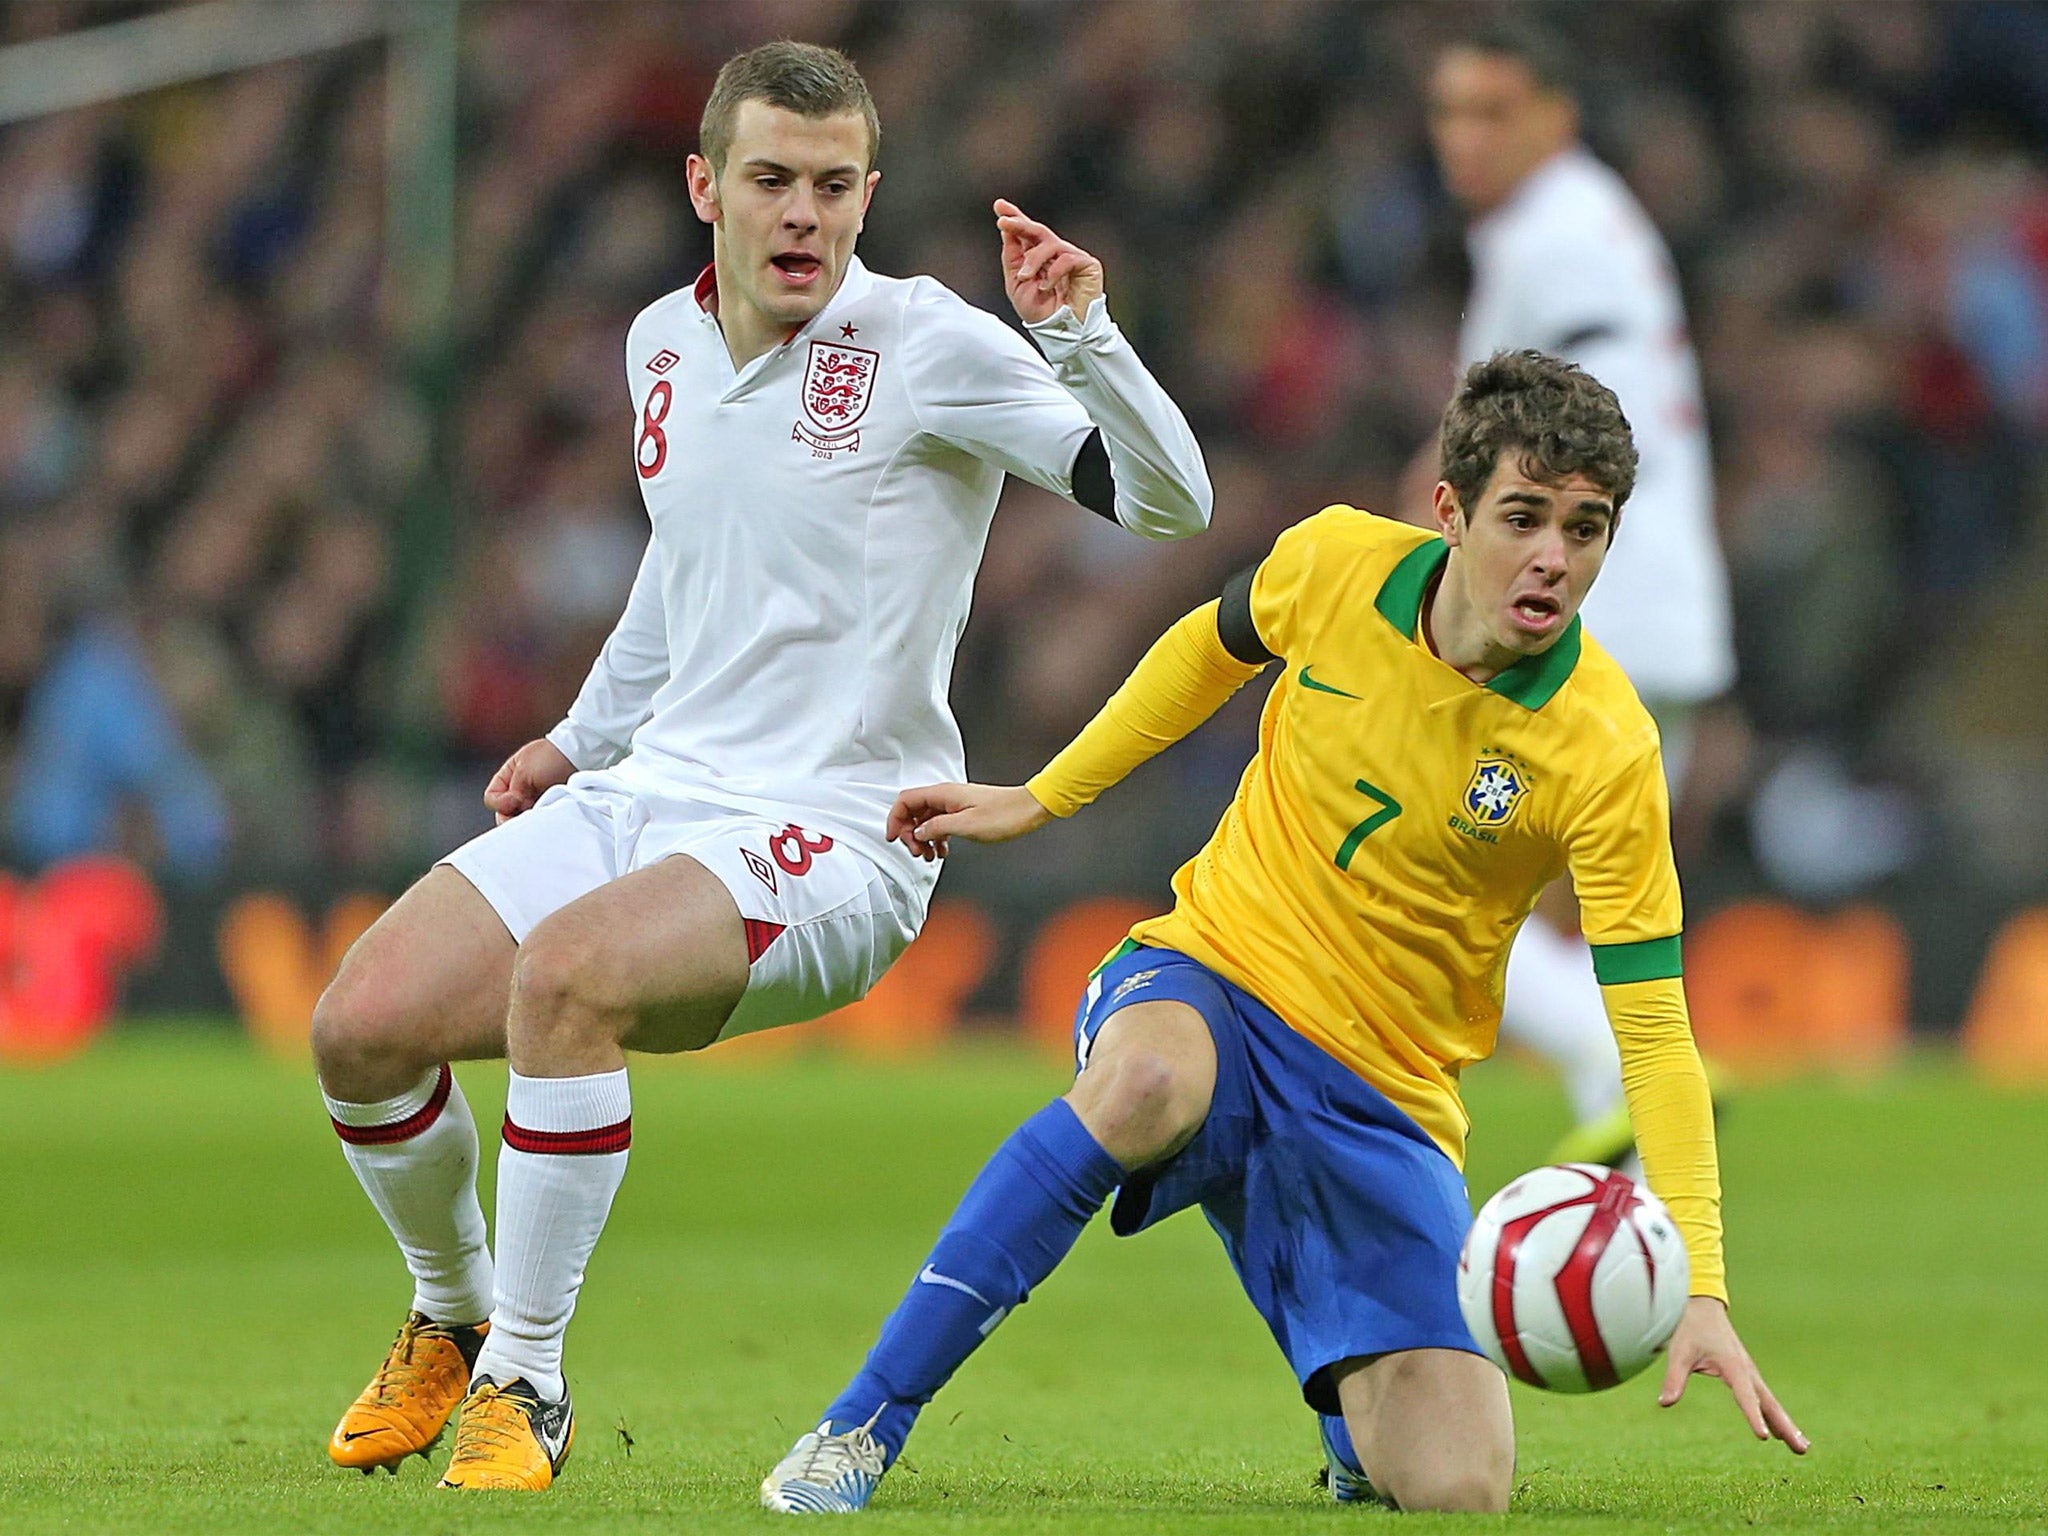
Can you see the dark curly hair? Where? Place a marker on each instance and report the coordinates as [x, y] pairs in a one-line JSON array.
[[1556, 418]]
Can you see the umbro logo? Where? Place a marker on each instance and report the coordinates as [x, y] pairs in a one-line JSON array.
[[662, 361]]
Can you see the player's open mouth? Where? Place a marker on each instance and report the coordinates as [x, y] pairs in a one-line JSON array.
[[798, 268], [1538, 615]]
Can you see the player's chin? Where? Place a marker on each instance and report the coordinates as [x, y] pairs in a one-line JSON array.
[[1532, 633]]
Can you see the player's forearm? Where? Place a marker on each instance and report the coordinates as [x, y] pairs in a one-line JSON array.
[[1673, 1116], [1183, 680], [1162, 483], [618, 695]]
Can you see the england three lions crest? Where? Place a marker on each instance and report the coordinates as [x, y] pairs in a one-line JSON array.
[[1494, 791], [838, 382]]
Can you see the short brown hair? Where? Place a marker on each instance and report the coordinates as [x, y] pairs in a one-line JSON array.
[[1556, 418], [803, 78]]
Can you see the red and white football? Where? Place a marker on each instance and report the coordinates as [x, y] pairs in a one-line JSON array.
[[1573, 1278]]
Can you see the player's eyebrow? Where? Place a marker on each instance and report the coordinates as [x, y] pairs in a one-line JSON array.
[[759, 164], [1537, 499]]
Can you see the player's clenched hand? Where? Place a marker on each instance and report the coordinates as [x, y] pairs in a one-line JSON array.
[[1705, 1344], [528, 774], [1041, 271], [923, 819]]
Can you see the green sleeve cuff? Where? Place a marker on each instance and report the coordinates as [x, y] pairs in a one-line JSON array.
[[1647, 960]]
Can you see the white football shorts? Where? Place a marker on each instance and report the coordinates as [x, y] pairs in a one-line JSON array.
[[822, 921]]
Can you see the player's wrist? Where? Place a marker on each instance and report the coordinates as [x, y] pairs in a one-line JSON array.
[[1064, 332]]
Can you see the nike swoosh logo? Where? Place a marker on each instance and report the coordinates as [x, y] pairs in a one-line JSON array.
[[357, 1434], [930, 1276], [1309, 682]]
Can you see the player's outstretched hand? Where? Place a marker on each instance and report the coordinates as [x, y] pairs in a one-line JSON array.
[[923, 819], [1705, 1344], [528, 774], [1041, 271]]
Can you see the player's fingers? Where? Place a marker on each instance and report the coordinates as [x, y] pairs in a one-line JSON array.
[[937, 829], [1744, 1385], [1065, 265], [1033, 261], [1781, 1422], [1024, 224], [1677, 1372]]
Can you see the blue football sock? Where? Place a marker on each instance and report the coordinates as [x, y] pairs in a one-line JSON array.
[[1337, 1436], [1018, 1219]]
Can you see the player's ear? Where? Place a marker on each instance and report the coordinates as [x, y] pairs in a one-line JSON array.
[[703, 183], [867, 196], [1449, 514]]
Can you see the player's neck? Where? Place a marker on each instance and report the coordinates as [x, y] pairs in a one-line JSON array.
[[1455, 631], [749, 332]]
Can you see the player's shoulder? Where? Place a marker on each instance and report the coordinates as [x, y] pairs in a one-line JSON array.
[[666, 308], [1604, 712], [1350, 536], [933, 312], [1572, 219], [656, 325]]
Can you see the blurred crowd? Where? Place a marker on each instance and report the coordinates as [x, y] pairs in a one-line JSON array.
[[277, 591]]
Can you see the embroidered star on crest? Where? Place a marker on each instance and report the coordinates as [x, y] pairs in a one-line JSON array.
[[849, 330]]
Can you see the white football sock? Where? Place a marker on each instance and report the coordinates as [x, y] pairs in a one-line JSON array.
[[563, 1157], [416, 1157], [1553, 1007]]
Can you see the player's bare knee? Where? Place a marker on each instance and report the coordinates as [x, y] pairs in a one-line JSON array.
[[359, 1043], [1472, 1488], [1140, 1104], [562, 984]]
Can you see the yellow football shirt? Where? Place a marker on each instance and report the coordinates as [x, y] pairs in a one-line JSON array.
[[1399, 820]]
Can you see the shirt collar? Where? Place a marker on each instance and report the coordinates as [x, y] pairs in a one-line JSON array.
[[1531, 682]]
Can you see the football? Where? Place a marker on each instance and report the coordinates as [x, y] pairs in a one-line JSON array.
[[1573, 1278]]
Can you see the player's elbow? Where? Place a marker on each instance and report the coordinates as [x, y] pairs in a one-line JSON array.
[[1182, 516]]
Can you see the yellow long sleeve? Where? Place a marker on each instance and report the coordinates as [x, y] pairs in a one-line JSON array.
[[1673, 1116], [1184, 679]]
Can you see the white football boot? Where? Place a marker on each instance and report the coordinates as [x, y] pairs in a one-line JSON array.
[[826, 1473]]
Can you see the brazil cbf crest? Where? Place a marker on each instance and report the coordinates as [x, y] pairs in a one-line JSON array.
[[1494, 791], [838, 381]]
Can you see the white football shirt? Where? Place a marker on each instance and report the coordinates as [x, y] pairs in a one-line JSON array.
[[817, 520], [1571, 265]]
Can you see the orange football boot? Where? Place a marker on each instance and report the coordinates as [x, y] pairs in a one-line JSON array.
[[403, 1410], [508, 1437]]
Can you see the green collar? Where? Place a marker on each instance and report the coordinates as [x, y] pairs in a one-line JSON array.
[[1531, 682]]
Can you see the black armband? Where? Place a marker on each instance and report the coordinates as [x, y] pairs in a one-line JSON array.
[[1234, 626], [1094, 485]]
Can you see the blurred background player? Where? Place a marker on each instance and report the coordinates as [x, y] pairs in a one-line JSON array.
[[1565, 261], [696, 851]]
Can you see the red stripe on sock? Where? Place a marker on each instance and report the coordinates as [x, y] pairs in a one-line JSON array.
[[604, 1138], [759, 936], [409, 1127]]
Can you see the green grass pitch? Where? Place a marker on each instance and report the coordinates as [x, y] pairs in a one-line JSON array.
[[191, 1287]]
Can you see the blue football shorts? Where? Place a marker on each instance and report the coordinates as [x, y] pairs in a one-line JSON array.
[[1341, 1216]]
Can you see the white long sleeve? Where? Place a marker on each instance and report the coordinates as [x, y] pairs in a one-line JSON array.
[[618, 695], [1162, 483]]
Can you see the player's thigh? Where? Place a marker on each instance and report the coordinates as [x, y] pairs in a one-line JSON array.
[[428, 982], [1432, 1427], [1147, 1082], [661, 953]]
